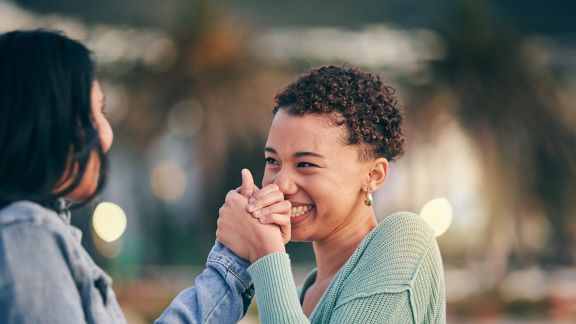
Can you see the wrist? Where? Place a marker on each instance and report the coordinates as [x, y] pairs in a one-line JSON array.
[[265, 250]]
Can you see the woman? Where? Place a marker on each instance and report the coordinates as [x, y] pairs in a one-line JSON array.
[[333, 134], [53, 139]]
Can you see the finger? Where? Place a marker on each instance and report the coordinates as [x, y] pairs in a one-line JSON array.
[[247, 188], [265, 190], [286, 231], [267, 200], [282, 207], [278, 219]]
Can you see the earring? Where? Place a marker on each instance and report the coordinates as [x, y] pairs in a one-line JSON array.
[[369, 199]]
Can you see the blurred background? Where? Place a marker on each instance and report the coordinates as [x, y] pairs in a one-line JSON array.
[[489, 89]]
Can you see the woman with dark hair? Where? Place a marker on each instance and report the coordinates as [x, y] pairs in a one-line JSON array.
[[53, 139], [334, 132]]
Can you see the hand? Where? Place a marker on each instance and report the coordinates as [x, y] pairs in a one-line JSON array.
[[248, 187], [243, 234], [269, 206]]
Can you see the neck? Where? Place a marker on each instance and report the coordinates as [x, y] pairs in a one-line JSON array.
[[333, 251]]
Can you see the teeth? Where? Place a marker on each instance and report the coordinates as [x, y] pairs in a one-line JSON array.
[[300, 210]]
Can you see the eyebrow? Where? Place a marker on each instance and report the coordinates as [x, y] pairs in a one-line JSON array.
[[297, 154]]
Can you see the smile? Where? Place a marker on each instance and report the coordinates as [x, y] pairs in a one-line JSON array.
[[299, 213], [300, 210]]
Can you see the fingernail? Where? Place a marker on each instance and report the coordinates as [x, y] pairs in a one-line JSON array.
[[250, 207], [258, 212]]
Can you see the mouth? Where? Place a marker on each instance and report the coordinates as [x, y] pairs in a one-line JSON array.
[[299, 213]]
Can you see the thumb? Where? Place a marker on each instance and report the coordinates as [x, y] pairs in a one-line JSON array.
[[286, 231], [248, 188]]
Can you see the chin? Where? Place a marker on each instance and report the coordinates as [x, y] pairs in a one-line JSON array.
[[84, 190], [299, 236]]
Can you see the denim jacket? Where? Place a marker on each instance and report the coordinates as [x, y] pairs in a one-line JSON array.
[[46, 276], [221, 294]]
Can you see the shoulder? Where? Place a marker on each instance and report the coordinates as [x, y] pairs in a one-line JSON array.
[[390, 257], [400, 239], [27, 212], [403, 229], [33, 240], [404, 221], [27, 226]]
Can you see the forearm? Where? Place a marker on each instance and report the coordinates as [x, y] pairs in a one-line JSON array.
[[221, 294], [276, 292]]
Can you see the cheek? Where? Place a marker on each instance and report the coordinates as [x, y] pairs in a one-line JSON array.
[[268, 178], [335, 193], [89, 180], [106, 134]]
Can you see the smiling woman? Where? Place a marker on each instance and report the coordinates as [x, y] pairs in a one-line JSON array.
[[333, 134]]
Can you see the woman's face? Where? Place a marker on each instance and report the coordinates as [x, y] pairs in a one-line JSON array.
[[89, 182], [322, 177]]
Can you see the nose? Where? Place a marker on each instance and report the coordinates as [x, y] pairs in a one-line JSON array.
[[285, 183]]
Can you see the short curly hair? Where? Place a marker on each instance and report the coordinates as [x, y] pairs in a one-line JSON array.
[[358, 99]]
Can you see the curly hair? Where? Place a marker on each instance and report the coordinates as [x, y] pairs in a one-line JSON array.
[[358, 99]]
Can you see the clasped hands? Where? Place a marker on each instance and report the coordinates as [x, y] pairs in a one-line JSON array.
[[254, 222]]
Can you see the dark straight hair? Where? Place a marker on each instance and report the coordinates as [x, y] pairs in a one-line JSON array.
[[47, 134]]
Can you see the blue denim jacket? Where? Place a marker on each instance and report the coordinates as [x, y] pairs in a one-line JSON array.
[[46, 276], [221, 294]]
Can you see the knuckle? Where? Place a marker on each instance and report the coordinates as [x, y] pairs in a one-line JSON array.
[[278, 196], [287, 204]]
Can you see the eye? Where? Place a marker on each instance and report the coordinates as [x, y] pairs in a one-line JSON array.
[[271, 161], [306, 165]]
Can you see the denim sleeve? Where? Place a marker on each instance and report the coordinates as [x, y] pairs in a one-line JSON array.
[[221, 294]]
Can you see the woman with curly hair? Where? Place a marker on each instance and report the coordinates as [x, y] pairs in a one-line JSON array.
[[334, 132]]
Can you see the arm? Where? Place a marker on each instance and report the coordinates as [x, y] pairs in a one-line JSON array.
[[278, 301], [222, 293], [261, 240], [277, 296]]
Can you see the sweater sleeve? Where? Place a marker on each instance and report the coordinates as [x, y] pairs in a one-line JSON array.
[[276, 291], [378, 308], [221, 294]]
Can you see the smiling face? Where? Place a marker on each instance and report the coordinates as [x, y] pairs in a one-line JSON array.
[[322, 177]]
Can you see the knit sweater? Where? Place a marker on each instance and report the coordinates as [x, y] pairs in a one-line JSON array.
[[394, 276]]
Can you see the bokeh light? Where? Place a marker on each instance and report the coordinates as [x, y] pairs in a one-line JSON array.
[[438, 214], [168, 180], [109, 221]]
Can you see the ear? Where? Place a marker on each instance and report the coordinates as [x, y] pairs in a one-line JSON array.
[[377, 173]]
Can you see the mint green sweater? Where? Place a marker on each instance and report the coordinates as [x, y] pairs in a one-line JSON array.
[[394, 276]]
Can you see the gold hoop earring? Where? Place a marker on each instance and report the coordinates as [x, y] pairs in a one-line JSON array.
[[369, 200]]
